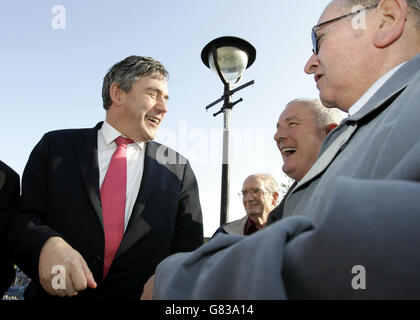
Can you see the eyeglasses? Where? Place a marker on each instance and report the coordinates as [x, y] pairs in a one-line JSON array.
[[254, 192], [315, 39]]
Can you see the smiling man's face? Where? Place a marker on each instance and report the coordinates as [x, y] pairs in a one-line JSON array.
[[299, 138], [258, 206], [144, 107]]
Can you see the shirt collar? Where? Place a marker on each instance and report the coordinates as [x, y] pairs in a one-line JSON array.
[[250, 227], [372, 90], [110, 134]]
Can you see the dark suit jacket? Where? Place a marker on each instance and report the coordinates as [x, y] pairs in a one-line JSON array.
[[60, 197], [9, 197]]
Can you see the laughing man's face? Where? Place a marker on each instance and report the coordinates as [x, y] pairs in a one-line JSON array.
[[299, 138]]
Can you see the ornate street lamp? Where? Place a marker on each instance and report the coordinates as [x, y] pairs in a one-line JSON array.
[[228, 57]]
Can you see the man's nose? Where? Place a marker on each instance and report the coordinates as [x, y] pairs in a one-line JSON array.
[[280, 135], [248, 197], [161, 105], [312, 64]]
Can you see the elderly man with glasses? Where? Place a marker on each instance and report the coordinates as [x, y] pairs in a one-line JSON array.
[[259, 195], [351, 224]]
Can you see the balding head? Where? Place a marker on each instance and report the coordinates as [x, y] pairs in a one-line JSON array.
[[324, 115]]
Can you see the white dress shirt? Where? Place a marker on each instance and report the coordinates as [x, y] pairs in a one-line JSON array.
[[372, 90], [135, 164]]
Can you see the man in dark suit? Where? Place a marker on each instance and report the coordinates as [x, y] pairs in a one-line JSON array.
[[93, 225], [9, 197]]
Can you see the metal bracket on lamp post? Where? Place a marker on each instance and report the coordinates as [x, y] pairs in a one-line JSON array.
[[230, 106], [229, 93]]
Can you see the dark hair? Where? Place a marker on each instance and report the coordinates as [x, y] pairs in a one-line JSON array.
[[126, 72]]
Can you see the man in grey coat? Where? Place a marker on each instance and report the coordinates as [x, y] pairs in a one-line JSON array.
[[351, 225]]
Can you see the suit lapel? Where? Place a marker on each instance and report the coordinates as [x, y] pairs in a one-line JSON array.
[[137, 226], [87, 155]]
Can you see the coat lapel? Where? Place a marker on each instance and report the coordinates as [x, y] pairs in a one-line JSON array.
[[137, 226], [326, 157], [87, 154], [236, 227]]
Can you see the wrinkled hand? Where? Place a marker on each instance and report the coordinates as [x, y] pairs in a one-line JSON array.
[[74, 274], [148, 289]]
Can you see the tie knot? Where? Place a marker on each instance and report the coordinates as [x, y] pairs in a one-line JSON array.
[[121, 141]]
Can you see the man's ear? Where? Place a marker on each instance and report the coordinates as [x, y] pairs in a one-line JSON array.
[[392, 15], [275, 198], [117, 94], [330, 127]]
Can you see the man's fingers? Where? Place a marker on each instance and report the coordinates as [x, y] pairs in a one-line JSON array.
[[68, 289], [78, 280], [83, 278], [90, 280], [62, 270], [60, 293], [148, 289]]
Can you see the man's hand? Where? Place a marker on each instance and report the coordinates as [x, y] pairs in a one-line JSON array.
[[148, 289], [57, 253]]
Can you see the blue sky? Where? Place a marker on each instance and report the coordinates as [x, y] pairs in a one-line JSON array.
[[52, 78]]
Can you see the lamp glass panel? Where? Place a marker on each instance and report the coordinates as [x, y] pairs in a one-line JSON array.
[[232, 62]]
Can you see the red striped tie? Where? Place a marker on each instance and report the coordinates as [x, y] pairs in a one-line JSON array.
[[113, 197]]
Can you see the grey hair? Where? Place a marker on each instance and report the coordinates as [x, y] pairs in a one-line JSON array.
[[269, 182], [413, 4], [128, 71], [324, 115]]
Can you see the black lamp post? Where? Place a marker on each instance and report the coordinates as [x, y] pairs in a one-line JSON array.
[[228, 57]]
